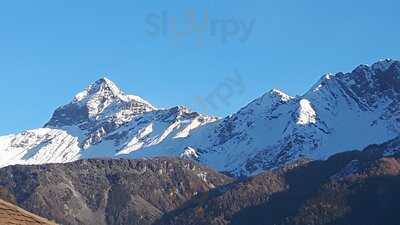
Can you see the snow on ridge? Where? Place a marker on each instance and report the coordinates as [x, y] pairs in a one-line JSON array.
[[101, 85], [383, 64], [106, 90], [141, 100], [280, 94], [266, 102], [321, 82]]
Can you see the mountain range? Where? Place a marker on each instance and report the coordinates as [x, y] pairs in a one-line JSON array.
[[341, 112], [353, 187]]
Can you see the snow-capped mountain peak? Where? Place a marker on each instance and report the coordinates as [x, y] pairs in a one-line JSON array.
[[342, 111], [103, 121], [100, 100], [103, 86], [267, 102]]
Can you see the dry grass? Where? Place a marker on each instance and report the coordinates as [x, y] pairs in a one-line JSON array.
[[13, 215]]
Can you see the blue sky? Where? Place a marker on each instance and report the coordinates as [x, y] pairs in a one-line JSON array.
[[50, 50]]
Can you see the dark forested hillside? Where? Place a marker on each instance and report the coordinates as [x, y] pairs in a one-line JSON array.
[[107, 191], [352, 188]]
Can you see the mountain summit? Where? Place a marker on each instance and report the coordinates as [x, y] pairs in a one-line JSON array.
[[100, 100], [340, 112]]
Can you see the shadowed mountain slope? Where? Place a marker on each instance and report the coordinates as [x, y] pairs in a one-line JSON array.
[[107, 192], [357, 188]]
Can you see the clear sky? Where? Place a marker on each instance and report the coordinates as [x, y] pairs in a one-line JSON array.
[[225, 53]]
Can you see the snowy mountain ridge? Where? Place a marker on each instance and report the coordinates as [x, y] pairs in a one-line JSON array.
[[340, 112], [100, 121]]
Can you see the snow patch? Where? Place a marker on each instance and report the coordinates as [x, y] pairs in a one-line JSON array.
[[190, 153], [306, 114]]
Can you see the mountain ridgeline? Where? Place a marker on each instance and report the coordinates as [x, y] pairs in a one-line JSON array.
[[273, 130]]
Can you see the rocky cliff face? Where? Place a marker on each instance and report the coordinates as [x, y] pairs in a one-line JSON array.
[[107, 191], [339, 113]]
